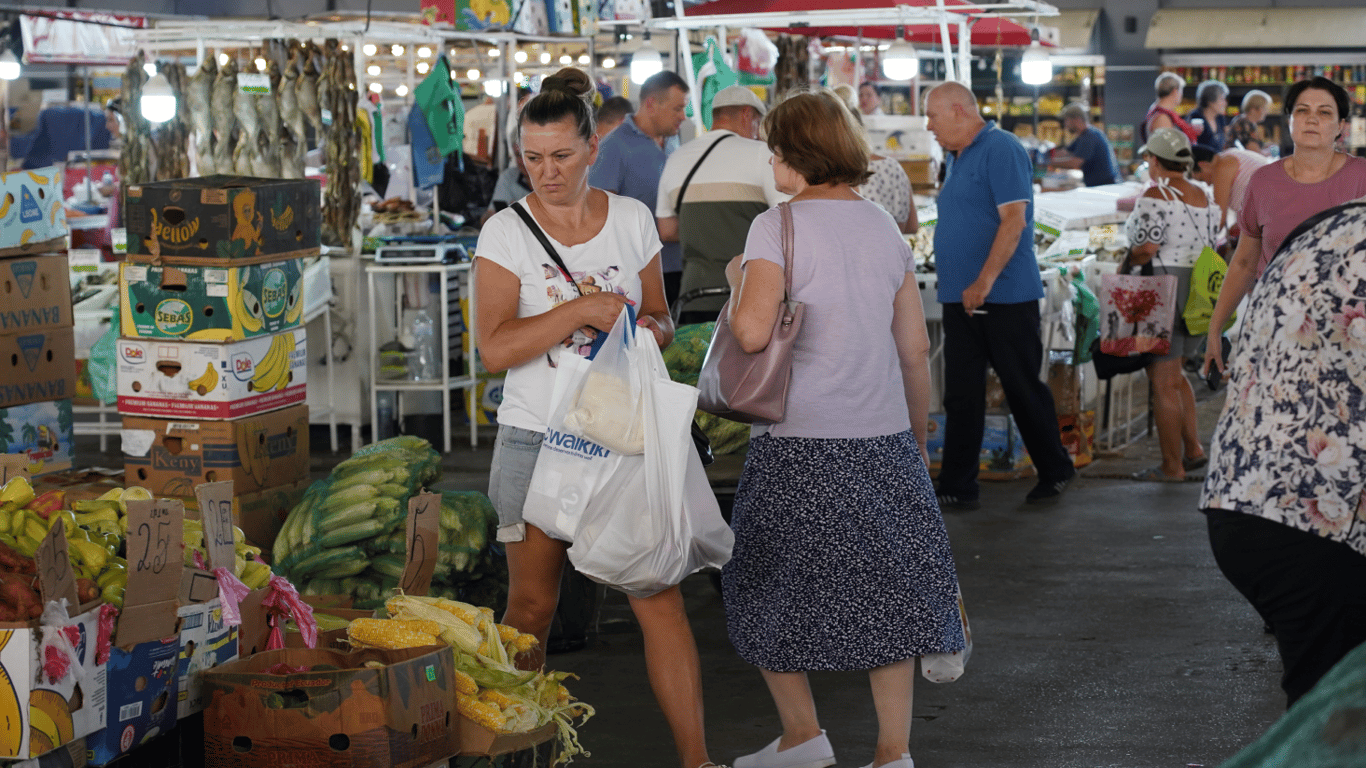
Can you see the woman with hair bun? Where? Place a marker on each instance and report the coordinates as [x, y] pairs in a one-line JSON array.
[[530, 313]]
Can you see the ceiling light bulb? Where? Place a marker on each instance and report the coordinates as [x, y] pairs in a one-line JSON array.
[[373, 70], [370, 49], [397, 49], [472, 74], [566, 59], [222, 59], [9, 66], [346, 49], [494, 53], [150, 68], [260, 64], [583, 59], [493, 87], [900, 62], [424, 52], [423, 67], [645, 63], [158, 100], [1036, 68], [609, 63], [520, 56], [376, 88], [545, 57], [401, 90]]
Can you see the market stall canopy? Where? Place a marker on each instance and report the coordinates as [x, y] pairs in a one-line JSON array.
[[1255, 28], [991, 24]]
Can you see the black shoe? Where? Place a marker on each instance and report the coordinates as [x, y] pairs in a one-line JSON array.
[[949, 501], [1046, 491]]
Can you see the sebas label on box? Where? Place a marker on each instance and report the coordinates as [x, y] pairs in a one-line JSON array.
[[204, 303], [198, 380]]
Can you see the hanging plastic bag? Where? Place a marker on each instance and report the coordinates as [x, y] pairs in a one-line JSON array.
[[712, 73], [657, 520], [442, 107], [947, 667], [1207, 277], [1138, 314], [607, 408], [757, 56], [1086, 311]]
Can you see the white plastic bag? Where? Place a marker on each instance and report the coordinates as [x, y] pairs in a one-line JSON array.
[[607, 407], [947, 667]]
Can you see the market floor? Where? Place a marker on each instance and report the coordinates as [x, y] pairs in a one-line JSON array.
[[1104, 635]]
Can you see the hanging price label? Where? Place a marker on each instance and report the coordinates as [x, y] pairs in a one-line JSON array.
[[56, 579], [156, 548], [424, 536], [13, 465], [215, 511]]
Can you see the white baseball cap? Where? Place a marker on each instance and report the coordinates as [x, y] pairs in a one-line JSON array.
[[738, 96]]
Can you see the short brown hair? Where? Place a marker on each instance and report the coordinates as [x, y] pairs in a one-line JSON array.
[[815, 136]]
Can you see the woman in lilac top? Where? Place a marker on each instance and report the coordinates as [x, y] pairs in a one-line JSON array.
[[1284, 193], [841, 560]]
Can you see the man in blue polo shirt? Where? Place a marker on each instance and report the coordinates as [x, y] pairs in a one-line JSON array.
[[1090, 151], [631, 158], [990, 287]]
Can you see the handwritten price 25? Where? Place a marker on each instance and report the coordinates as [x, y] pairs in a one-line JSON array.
[[153, 559]]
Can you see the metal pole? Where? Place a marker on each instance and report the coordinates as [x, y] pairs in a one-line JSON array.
[[89, 183]]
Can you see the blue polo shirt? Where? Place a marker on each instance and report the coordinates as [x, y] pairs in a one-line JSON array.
[[1098, 164], [630, 163], [991, 171]]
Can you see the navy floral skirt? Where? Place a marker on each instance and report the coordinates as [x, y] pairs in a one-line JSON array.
[[841, 558]]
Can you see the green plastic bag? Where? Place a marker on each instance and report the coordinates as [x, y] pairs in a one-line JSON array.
[[102, 364], [1207, 277], [442, 107], [713, 73], [1086, 311]]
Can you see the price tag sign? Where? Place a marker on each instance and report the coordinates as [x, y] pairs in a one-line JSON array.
[[56, 579], [215, 510], [424, 535], [13, 465], [156, 551]]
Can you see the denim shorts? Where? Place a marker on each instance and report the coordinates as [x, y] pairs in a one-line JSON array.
[[514, 459]]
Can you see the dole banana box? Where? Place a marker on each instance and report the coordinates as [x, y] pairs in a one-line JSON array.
[[223, 220], [204, 303], [196, 380], [170, 457], [32, 219], [37, 366], [42, 431], [39, 714], [35, 294]]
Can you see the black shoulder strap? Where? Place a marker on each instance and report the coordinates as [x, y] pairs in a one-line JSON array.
[[545, 243], [678, 204]]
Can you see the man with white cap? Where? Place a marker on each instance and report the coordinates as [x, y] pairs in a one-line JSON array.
[[710, 192]]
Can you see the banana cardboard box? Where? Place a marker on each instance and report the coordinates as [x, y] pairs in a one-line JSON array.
[[38, 715], [35, 294], [32, 218], [206, 641], [215, 304], [342, 711], [142, 698], [223, 220], [37, 366], [43, 431], [198, 380], [170, 457]]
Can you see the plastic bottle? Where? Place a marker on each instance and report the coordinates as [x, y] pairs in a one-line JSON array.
[[422, 365], [384, 429]]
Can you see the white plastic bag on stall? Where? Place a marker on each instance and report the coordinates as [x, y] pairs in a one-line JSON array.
[[655, 520]]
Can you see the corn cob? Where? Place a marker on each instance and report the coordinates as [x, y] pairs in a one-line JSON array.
[[382, 633], [497, 698], [465, 684], [480, 712], [419, 625]]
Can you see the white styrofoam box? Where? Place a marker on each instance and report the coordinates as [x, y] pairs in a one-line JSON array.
[[317, 283], [207, 381]]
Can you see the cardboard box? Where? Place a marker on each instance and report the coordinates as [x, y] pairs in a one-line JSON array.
[[260, 515], [199, 380], [71, 755], [35, 294], [32, 218], [41, 430], [921, 172], [475, 739], [142, 698], [223, 219], [209, 303], [1079, 436], [42, 715], [1003, 456], [399, 715], [170, 457], [205, 642], [37, 366]]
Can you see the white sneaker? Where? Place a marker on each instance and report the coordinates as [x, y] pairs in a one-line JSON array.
[[812, 753], [904, 762]]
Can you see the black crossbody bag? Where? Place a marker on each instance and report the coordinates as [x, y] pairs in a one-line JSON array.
[[699, 438]]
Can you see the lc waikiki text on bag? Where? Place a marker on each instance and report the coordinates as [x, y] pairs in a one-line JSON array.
[[638, 521], [752, 387]]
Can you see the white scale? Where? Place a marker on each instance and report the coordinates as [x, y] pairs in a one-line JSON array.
[[421, 253]]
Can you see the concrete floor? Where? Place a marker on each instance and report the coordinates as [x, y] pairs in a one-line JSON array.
[[1104, 636]]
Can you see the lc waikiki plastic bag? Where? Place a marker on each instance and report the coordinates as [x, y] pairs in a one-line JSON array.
[[1207, 277], [607, 408]]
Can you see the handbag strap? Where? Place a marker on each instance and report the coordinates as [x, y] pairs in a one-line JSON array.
[[545, 243], [785, 209], [678, 204]]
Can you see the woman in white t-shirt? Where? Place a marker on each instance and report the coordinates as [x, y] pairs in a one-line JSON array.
[[529, 315]]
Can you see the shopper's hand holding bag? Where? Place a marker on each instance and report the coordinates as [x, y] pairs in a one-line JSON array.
[[752, 387]]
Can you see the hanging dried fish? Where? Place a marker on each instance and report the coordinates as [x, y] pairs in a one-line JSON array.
[[135, 156], [292, 141], [224, 95], [241, 156], [199, 95], [268, 115], [306, 89], [341, 196], [170, 140]]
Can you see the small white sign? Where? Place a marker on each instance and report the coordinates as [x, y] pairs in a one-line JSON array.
[[84, 259], [255, 83]]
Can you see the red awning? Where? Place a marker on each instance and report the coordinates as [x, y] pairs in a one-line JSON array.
[[992, 31]]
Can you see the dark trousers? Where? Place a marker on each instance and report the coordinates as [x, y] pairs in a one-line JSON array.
[[1007, 338], [1311, 591], [673, 281]]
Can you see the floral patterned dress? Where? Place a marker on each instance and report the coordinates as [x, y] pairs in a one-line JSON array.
[[1291, 442]]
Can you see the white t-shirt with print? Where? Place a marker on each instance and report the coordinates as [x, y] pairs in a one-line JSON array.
[[611, 261]]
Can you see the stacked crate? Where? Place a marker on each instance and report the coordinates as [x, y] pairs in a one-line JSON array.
[[212, 361], [37, 340]]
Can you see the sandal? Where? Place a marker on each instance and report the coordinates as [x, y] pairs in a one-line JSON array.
[[1154, 475], [1191, 465]]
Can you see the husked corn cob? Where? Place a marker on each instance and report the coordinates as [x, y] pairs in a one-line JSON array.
[[386, 634], [506, 633], [480, 712], [419, 625], [465, 684], [497, 698], [523, 643]]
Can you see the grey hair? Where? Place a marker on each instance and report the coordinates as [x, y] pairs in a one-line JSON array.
[[1168, 82]]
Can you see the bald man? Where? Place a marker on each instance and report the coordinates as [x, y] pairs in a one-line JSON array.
[[990, 287]]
